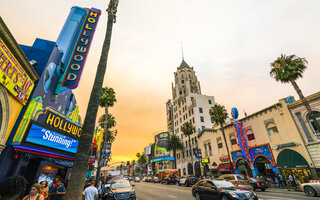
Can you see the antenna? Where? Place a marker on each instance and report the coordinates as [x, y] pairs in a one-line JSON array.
[[182, 51]]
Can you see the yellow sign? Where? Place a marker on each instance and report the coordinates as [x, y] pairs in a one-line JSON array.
[[205, 160], [13, 76]]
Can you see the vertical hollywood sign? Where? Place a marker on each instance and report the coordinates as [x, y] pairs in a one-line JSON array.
[[79, 55]]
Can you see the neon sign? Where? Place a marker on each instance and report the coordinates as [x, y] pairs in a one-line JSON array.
[[242, 142]]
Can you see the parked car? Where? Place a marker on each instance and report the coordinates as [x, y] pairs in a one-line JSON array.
[[220, 190], [144, 179], [188, 180], [312, 188], [155, 179], [258, 184], [120, 189], [148, 179], [170, 178], [109, 180], [237, 179], [137, 179]]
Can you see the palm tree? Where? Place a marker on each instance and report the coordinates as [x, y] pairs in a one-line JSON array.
[[174, 144], [287, 69], [78, 175], [142, 160], [138, 155], [187, 129], [132, 166], [219, 115], [107, 99]]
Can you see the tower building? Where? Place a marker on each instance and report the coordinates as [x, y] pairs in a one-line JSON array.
[[189, 105]]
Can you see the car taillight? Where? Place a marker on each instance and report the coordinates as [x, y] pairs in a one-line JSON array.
[[258, 183], [197, 179], [169, 178], [248, 181], [189, 179], [314, 181], [238, 182], [175, 178]]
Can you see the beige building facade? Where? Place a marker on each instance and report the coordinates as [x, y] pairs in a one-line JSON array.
[[265, 143]]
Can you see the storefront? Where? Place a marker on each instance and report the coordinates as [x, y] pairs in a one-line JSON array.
[[163, 163], [257, 161], [17, 78], [292, 163]]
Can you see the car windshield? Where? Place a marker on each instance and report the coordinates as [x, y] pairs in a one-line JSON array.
[[122, 184], [114, 179], [241, 178], [223, 184], [253, 180]]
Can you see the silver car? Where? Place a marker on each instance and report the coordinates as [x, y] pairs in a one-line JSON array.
[[312, 189]]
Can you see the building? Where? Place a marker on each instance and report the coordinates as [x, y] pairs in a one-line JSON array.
[[17, 77], [189, 105], [44, 139], [308, 131], [264, 143]]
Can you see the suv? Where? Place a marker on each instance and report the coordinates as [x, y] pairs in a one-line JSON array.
[[188, 180], [237, 179], [170, 178]]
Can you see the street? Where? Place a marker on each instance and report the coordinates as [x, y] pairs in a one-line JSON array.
[[156, 191]]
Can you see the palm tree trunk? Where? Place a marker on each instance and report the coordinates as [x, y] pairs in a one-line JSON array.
[[103, 145], [306, 104], [191, 153], [78, 175], [225, 142], [175, 159]]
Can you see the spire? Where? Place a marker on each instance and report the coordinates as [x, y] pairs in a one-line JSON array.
[[182, 51], [183, 65]]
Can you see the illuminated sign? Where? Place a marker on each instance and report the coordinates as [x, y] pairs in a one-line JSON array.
[[163, 159], [12, 75], [80, 52], [45, 137], [62, 124], [205, 160]]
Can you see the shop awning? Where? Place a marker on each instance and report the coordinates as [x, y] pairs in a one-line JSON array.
[[224, 167], [290, 159]]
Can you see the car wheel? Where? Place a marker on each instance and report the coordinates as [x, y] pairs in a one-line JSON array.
[[263, 189], [198, 196], [224, 197], [310, 191], [179, 184]]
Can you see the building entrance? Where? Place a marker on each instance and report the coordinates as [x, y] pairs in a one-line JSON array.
[[264, 167], [244, 168]]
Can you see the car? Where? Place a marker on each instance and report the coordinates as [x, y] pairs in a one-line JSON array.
[[188, 180], [312, 188], [170, 178], [155, 179], [148, 179], [237, 179], [258, 184], [144, 179], [109, 180], [137, 179], [220, 190], [120, 189]]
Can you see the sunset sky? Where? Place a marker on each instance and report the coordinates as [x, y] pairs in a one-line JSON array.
[[230, 44]]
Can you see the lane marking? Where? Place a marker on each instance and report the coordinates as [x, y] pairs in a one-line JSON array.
[[172, 196], [187, 191]]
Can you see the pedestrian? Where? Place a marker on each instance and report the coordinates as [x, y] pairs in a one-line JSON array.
[[91, 192], [12, 188], [284, 181], [293, 184], [35, 193], [57, 192], [54, 182], [280, 181], [44, 189]]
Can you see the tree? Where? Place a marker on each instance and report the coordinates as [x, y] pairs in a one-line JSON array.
[[142, 160], [187, 129], [107, 99], [78, 175], [174, 145], [287, 69], [138, 155], [219, 115]]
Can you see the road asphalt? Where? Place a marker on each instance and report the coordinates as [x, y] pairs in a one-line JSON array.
[[157, 191]]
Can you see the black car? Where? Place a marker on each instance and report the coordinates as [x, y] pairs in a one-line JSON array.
[[170, 178], [120, 189], [258, 184], [188, 180], [220, 190]]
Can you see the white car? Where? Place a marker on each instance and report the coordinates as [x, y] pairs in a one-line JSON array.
[[136, 179], [312, 188]]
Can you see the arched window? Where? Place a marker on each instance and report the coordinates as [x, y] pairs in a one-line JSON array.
[[4, 114], [312, 125], [272, 128]]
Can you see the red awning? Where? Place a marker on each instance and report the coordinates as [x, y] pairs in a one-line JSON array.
[[224, 167]]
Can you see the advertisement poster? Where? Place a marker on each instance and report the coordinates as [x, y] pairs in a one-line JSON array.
[[161, 144]]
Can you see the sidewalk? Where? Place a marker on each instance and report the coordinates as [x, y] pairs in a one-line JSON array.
[[275, 188]]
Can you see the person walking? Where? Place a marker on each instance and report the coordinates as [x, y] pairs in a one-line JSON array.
[[12, 188], [280, 182], [91, 192], [44, 189], [35, 193], [293, 184], [57, 192]]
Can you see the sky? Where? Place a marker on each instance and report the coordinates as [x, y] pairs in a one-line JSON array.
[[229, 43]]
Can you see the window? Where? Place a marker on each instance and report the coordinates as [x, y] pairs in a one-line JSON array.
[[191, 111], [200, 110], [203, 127], [201, 119], [272, 128], [210, 150], [180, 92], [315, 131], [183, 154], [182, 81], [209, 184], [187, 153], [210, 102], [251, 137], [189, 75], [181, 75], [233, 141], [186, 143], [192, 140], [205, 150], [192, 120], [219, 145]]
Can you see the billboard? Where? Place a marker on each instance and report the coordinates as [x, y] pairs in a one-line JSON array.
[[147, 150], [161, 144], [12, 75]]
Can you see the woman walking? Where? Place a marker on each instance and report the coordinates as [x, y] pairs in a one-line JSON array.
[[35, 193]]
